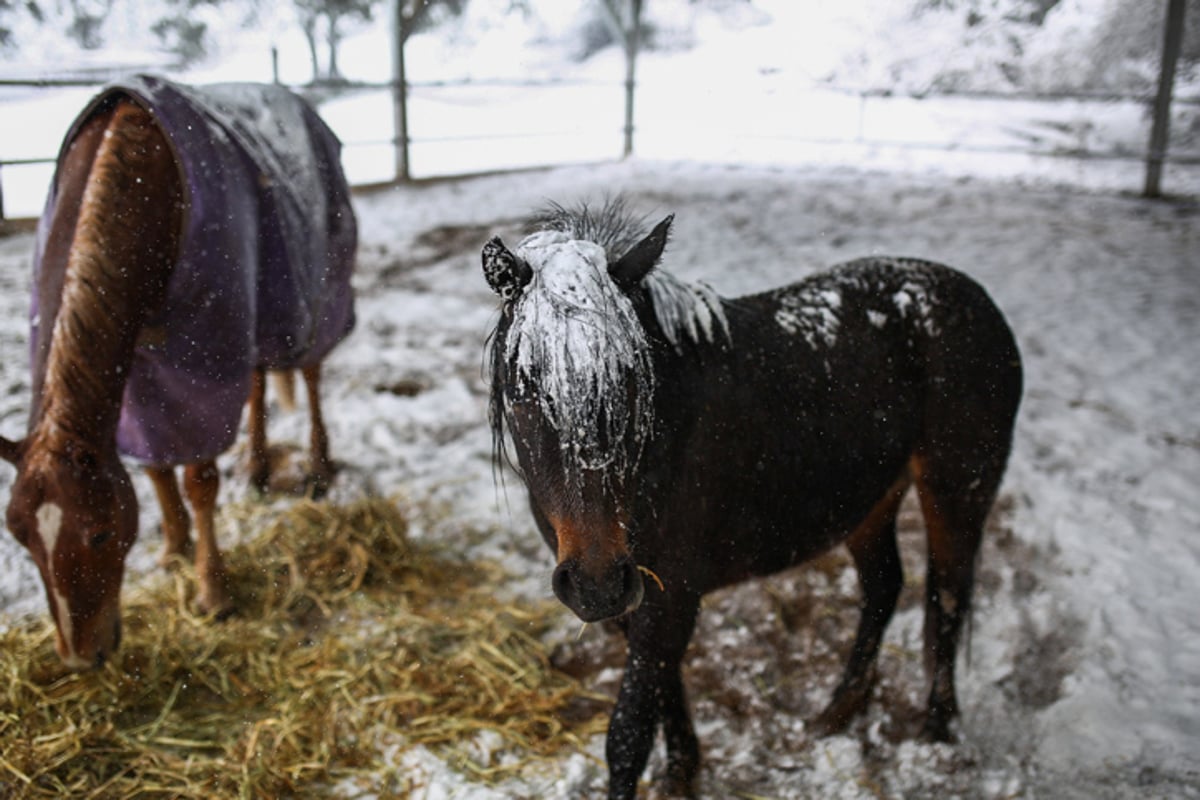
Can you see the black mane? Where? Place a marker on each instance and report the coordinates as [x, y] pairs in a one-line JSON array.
[[613, 226]]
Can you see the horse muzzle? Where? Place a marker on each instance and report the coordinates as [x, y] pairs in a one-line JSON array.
[[93, 649], [595, 596]]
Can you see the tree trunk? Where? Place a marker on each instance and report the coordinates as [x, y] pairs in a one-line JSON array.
[[310, 35], [335, 39]]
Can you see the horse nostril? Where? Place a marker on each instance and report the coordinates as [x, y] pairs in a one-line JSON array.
[[563, 583]]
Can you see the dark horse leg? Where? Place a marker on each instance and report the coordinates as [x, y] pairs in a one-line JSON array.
[[652, 693], [955, 506], [260, 462], [880, 576], [320, 470], [320, 466]]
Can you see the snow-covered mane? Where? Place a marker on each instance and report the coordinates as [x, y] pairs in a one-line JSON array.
[[683, 310], [580, 353], [575, 345]]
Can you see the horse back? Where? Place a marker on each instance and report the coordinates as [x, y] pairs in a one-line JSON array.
[[262, 274], [826, 392]]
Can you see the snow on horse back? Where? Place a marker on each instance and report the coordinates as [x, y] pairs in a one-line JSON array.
[[193, 237], [673, 442]]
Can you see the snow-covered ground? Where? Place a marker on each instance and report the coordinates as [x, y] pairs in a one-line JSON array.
[[1083, 678], [1084, 673]]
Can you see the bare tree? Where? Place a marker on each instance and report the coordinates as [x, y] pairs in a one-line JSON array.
[[88, 19], [332, 12], [10, 9]]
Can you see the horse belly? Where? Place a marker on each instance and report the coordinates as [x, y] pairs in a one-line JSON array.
[[791, 502]]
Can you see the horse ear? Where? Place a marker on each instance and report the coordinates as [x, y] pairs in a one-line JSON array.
[[10, 451], [635, 265], [505, 273]]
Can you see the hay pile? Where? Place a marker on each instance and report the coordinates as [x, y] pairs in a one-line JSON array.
[[349, 636]]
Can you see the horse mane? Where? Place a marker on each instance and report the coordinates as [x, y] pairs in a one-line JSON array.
[[691, 311], [111, 279], [575, 345], [614, 226]]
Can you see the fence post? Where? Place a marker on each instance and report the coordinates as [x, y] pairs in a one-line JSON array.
[[630, 37], [1, 194], [632, 43], [1160, 131], [400, 92]]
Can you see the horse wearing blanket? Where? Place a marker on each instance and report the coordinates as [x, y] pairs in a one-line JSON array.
[[192, 238], [667, 432]]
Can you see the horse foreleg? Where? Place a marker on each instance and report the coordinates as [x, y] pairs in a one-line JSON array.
[[175, 520], [652, 692], [320, 468], [260, 462], [880, 576], [201, 481]]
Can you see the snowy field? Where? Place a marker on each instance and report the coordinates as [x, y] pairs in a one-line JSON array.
[[1083, 673], [1083, 678]]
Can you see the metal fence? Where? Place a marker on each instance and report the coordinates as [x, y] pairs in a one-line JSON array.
[[488, 141]]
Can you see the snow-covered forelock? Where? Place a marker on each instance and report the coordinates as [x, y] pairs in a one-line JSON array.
[[581, 355]]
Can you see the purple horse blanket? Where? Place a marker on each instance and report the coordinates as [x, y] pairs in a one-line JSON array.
[[263, 278]]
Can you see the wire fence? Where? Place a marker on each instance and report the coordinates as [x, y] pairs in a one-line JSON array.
[[461, 127]]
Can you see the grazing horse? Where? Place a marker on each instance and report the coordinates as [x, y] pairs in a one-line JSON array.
[[192, 239], [664, 431]]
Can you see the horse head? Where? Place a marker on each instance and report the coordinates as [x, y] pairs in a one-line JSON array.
[[76, 513], [573, 381]]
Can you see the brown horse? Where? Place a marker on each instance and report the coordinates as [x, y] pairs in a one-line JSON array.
[[665, 431], [126, 209]]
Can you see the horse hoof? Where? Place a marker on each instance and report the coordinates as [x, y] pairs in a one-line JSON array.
[[218, 609], [841, 711], [172, 560], [217, 613], [937, 729], [828, 724], [679, 786], [316, 485]]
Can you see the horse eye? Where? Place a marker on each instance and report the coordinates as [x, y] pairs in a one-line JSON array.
[[98, 539]]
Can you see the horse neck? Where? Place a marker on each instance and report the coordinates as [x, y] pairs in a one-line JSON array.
[[123, 246]]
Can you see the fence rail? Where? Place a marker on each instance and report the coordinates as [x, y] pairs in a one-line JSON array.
[[867, 98]]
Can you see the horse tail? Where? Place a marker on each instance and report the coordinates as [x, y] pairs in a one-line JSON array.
[[283, 384]]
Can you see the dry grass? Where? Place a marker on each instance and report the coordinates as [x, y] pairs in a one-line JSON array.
[[348, 636]]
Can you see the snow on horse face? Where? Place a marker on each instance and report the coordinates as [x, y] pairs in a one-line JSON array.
[[160, 297], [666, 432]]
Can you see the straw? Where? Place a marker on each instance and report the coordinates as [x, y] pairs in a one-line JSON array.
[[348, 636]]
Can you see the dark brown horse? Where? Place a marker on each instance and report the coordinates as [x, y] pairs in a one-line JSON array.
[[664, 431], [119, 308]]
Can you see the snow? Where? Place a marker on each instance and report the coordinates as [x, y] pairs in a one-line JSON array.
[[1083, 676], [575, 333]]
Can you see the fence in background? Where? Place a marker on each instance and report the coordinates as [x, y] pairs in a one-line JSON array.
[[531, 120]]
